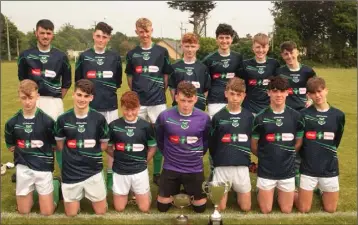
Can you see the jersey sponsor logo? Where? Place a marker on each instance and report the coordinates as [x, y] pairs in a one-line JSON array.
[[184, 125], [20, 143], [81, 128], [230, 75], [28, 128], [290, 91], [139, 69], [71, 143], [174, 139], [226, 138], [50, 73], [270, 137], [91, 74], [36, 143], [321, 121], [243, 138], [235, 123], [146, 55], [107, 74], [36, 72], [311, 135], [314, 135], [302, 91], [89, 143], [279, 122], [153, 69], [43, 58], [279, 137], [328, 135], [216, 75], [138, 147], [287, 136], [265, 82], [196, 84], [191, 139], [130, 132], [120, 146], [258, 82], [252, 82]]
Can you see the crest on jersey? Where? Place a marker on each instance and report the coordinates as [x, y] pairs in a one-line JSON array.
[[189, 71], [146, 55], [321, 121], [184, 125], [100, 61], [81, 128], [279, 122], [235, 123], [261, 70], [43, 59], [295, 79], [226, 64], [28, 128], [130, 132]]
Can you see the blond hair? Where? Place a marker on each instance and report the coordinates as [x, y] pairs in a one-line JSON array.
[[143, 23], [260, 38], [27, 87]]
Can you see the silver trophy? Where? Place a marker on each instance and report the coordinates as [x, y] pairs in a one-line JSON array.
[[215, 191], [181, 201]]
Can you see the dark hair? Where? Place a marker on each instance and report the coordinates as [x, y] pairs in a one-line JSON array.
[[130, 100], [186, 88], [45, 24], [279, 83], [104, 27], [225, 29], [288, 46], [315, 83], [85, 85]]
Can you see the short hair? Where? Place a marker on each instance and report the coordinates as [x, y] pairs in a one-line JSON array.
[[104, 27], [186, 88], [45, 24], [315, 83], [28, 86], [190, 38], [130, 100], [260, 38], [143, 23], [279, 83], [288, 46], [236, 84], [85, 85], [224, 29]]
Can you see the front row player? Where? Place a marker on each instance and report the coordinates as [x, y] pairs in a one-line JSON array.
[[134, 145], [29, 134], [182, 134], [276, 136], [230, 144], [324, 127], [82, 134]]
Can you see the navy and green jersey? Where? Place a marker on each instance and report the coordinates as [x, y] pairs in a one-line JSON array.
[[33, 139], [256, 79], [221, 69], [230, 141], [130, 143], [197, 73], [81, 154], [296, 98], [105, 70], [323, 134], [147, 68], [50, 70], [277, 134]]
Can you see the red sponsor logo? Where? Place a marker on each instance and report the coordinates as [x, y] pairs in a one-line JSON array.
[[252, 82], [174, 139], [216, 75], [311, 135], [120, 146], [36, 72], [270, 137], [290, 91], [139, 69], [71, 143], [20, 143], [226, 138], [91, 74]]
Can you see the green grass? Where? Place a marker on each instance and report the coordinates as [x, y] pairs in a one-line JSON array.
[[342, 94]]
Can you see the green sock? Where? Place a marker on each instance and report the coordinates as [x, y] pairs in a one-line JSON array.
[[297, 179], [56, 192], [59, 159], [109, 179], [157, 162]]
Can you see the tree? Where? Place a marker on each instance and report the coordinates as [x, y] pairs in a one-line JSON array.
[[14, 36], [199, 12], [207, 45]]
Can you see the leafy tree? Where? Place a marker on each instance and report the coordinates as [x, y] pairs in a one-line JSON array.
[[14, 36]]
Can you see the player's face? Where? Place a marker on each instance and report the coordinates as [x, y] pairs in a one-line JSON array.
[[130, 114], [185, 104], [145, 35], [319, 97], [260, 50], [81, 99], [290, 57], [234, 98], [28, 102], [100, 39], [189, 50], [224, 41], [277, 97], [44, 37]]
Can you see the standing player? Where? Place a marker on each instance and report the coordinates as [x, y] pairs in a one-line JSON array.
[[134, 146], [277, 135], [82, 134], [104, 68], [147, 72], [255, 72], [324, 127], [182, 135], [230, 144], [29, 134], [192, 70]]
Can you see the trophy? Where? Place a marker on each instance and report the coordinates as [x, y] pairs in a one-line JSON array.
[[215, 191], [181, 201]]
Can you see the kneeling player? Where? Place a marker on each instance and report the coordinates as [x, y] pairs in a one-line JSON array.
[[134, 145], [230, 144], [29, 134], [324, 126], [277, 135], [82, 134]]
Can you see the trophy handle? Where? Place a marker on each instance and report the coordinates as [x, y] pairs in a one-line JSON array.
[[227, 186], [205, 187]]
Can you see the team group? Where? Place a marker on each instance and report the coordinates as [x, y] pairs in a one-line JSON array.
[[278, 113]]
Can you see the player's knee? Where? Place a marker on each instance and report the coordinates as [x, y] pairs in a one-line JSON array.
[[286, 209], [265, 209], [71, 214], [163, 207], [330, 208], [119, 208], [303, 208], [245, 207], [199, 208], [47, 212], [24, 211], [144, 207], [101, 211]]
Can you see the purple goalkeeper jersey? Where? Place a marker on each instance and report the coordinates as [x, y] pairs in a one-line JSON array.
[[183, 140]]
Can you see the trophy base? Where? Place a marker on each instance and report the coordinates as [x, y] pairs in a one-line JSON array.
[[215, 222], [181, 220]]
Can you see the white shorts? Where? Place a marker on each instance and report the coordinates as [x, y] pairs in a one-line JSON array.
[[326, 184], [286, 185], [138, 183], [151, 113], [50, 105], [213, 108], [110, 115], [93, 188], [27, 180], [238, 176]]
